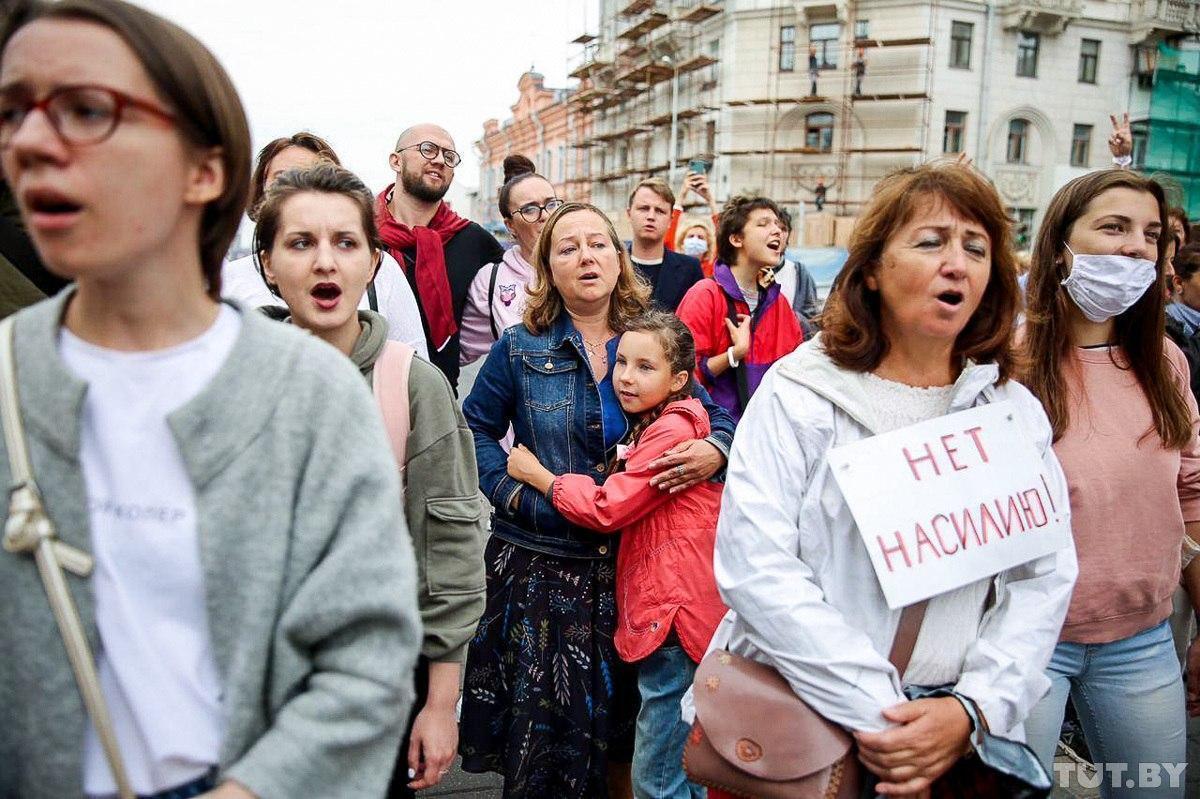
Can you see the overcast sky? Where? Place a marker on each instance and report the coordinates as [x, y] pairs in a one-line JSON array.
[[357, 72]]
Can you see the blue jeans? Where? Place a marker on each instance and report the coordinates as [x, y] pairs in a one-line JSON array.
[[663, 678], [1130, 698]]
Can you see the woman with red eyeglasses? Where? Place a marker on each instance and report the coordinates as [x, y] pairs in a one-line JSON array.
[[221, 485]]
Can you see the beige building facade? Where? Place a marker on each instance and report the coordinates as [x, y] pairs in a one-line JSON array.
[[1022, 87]]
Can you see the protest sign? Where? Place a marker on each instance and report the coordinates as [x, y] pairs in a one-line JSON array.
[[949, 501]]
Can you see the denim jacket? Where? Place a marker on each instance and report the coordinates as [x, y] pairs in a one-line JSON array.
[[542, 386]]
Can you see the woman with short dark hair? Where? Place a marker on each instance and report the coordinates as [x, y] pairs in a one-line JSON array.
[[918, 327], [251, 605], [331, 215]]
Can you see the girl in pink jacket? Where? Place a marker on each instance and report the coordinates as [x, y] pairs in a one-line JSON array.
[[667, 601]]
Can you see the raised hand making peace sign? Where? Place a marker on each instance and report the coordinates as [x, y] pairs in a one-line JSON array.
[[1120, 142]]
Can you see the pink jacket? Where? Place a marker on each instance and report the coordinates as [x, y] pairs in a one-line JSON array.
[[665, 561], [513, 275]]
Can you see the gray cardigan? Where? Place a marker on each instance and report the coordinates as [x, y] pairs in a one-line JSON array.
[[307, 562]]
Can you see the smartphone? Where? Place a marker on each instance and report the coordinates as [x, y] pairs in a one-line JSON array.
[[699, 166]]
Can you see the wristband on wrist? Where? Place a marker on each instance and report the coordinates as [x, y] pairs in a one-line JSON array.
[[733, 362], [1122, 160]]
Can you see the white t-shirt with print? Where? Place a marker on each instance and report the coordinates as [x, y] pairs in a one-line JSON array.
[[156, 663]]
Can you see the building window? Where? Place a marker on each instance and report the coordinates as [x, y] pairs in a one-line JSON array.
[[818, 132], [787, 48], [823, 39], [1141, 140], [1018, 141], [862, 29], [1027, 54], [960, 44], [710, 136], [1089, 59], [952, 134], [1081, 145], [1022, 229]]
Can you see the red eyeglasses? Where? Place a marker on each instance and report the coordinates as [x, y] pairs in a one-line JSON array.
[[78, 114]]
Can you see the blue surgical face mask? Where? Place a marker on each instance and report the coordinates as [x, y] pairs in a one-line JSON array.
[[1104, 286], [695, 246]]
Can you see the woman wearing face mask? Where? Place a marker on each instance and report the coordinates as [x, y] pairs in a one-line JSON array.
[[388, 293], [1124, 421], [252, 601], [318, 244], [496, 299], [697, 239], [741, 322]]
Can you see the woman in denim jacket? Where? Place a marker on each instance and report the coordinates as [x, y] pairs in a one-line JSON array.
[[547, 701]]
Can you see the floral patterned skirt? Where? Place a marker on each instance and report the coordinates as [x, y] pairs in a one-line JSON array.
[[547, 702]]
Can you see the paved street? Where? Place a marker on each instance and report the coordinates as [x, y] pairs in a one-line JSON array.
[[460, 784]]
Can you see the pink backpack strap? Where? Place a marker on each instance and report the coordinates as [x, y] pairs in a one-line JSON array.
[[390, 383]]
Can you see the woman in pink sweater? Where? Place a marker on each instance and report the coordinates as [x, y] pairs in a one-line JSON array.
[[496, 299], [1116, 392]]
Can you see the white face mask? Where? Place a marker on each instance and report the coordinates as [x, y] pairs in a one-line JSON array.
[[1104, 286], [695, 246]]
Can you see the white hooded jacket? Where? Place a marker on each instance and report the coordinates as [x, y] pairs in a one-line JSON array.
[[791, 565]]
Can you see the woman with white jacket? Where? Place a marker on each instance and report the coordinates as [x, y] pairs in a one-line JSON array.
[[918, 328]]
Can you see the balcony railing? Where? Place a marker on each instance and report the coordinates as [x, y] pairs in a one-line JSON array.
[[1158, 19], [1039, 16]]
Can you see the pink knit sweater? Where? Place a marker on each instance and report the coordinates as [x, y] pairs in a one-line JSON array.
[[1130, 498]]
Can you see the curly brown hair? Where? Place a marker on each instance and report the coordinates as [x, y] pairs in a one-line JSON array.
[[630, 297], [1047, 344], [852, 331]]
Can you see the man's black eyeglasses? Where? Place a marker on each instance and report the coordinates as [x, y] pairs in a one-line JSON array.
[[429, 150]]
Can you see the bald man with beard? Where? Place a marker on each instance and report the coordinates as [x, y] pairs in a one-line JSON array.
[[439, 251]]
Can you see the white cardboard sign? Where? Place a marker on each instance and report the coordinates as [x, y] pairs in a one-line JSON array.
[[949, 501]]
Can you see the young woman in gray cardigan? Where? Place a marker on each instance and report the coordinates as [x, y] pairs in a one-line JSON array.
[[252, 606], [318, 249]]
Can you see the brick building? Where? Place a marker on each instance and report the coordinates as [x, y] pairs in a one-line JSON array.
[[542, 127]]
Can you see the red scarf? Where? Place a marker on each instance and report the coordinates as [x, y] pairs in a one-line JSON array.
[[433, 284]]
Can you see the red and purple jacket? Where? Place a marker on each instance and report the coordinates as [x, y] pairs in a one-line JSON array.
[[774, 332]]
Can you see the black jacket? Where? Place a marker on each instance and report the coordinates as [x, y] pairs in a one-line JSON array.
[[469, 250], [670, 281], [1191, 350]]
